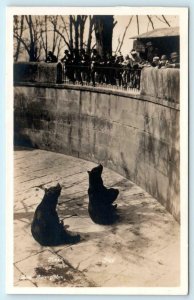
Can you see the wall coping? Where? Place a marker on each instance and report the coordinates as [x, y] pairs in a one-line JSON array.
[[102, 90]]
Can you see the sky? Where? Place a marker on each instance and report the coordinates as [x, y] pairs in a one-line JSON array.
[[144, 26]]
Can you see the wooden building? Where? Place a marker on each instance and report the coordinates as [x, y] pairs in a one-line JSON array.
[[164, 40]]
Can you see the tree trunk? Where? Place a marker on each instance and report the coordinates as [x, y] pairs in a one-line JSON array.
[[76, 28], [71, 32], [91, 24], [16, 56], [32, 46], [82, 27], [103, 31], [46, 37]]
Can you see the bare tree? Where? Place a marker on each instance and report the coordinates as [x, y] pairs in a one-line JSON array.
[[103, 26], [166, 20], [32, 50], [71, 32], [44, 35], [124, 34], [29, 36], [76, 21], [75, 36], [36, 34], [137, 19], [118, 45], [91, 28], [58, 31], [81, 28], [18, 30], [150, 20]]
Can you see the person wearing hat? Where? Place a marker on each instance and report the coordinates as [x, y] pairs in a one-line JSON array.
[[163, 61], [85, 65], [135, 58], [68, 70], [126, 66], [174, 57], [149, 44], [174, 61], [156, 62], [150, 52], [133, 52], [66, 56], [95, 63], [136, 64]]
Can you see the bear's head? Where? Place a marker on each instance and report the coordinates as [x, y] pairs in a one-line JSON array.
[[52, 194], [95, 178]]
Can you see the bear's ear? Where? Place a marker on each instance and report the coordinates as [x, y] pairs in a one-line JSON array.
[[89, 172]]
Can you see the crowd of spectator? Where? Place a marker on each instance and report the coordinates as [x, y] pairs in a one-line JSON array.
[[85, 68]]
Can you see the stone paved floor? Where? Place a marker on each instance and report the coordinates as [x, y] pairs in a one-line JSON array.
[[141, 250]]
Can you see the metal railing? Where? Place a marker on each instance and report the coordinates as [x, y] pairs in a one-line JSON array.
[[111, 77]]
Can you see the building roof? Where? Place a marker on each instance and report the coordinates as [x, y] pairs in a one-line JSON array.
[[156, 33]]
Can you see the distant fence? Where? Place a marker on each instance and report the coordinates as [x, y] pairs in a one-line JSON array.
[[118, 77], [121, 77], [155, 83]]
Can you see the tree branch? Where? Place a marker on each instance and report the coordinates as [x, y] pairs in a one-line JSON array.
[[150, 21], [63, 37], [65, 27], [160, 20], [119, 42], [19, 42], [30, 27], [165, 20], [137, 20], [22, 41], [114, 24], [124, 34]]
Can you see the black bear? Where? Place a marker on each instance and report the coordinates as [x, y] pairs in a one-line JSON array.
[[100, 207], [46, 227]]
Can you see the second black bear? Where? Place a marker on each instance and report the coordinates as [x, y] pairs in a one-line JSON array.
[[100, 207], [46, 227]]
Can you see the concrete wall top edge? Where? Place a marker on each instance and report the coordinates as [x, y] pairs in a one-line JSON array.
[[159, 101]]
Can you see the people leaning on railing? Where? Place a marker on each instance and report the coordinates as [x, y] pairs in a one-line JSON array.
[[112, 70], [174, 61], [163, 62]]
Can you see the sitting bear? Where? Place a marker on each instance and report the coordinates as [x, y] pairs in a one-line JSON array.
[[100, 207], [46, 228]]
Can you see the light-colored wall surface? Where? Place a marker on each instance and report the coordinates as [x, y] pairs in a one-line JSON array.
[[161, 84]]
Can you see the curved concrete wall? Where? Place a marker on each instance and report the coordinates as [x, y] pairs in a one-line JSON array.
[[132, 135]]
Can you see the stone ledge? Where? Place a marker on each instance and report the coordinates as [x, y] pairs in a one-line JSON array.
[[38, 72], [101, 90]]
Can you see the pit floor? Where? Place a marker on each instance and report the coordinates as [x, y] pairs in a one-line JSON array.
[[141, 250]]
